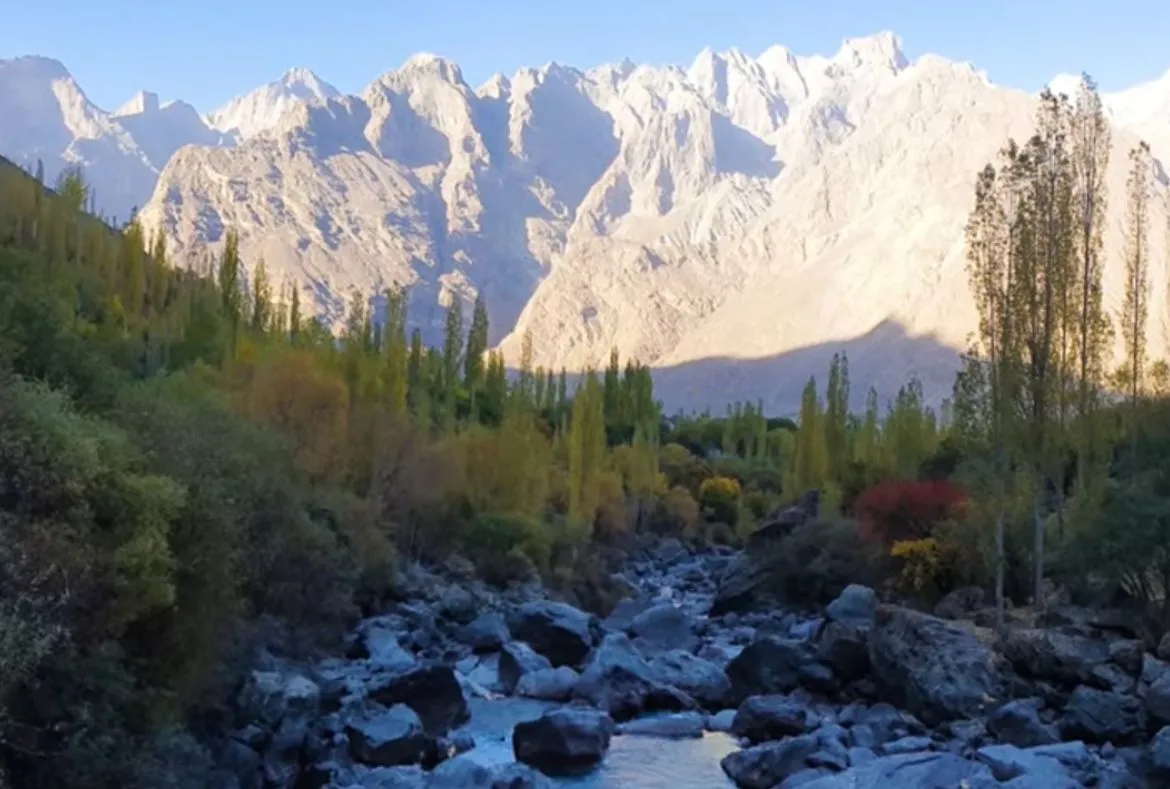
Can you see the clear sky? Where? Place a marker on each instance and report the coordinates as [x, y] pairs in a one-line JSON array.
[[206, 51]]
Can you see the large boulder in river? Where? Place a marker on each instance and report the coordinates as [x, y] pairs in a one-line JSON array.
[[516, 660], [843, 642], [388, 739], [485, 633], [563, 741], [664, 627], [433, 692], [701, 679], [764, 718], [930, 667], [560, 632], [774, 665], [618, 679], [766, 766], [913, 771]]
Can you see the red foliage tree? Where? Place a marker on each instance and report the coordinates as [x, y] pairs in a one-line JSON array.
[[897, 510]]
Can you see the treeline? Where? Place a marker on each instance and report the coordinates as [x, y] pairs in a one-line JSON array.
[[190, 465]]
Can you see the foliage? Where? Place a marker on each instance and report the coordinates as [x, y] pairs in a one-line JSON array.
[[820, 558], [904, 510], [719, 500]]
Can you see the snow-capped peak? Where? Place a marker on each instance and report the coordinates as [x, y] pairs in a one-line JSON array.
[[1068, 84], [143, 102], [261, 110], [881, 51]]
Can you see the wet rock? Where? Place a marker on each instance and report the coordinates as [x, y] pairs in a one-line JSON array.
[[701, 679], [563, 741], [549, 684], [486, 633], [560, 632], [682, 725], [394, 737], [618, 680], [930, 667], [721, 721], [764, 718], [516, 660], [1100, 716], [1018, 723], [764, 766], [433, 692]]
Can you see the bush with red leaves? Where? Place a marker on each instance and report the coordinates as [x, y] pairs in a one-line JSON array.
[[898, 509]]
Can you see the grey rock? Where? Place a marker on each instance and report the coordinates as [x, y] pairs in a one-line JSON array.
[[961, 603], [560, 632], [1100, 716], [764, 718], [549, 684], [909, 771], [486, 633], [1127, 653], [394, 737], [618, 680], [770, 665], [701, 679], [623, 614], [907, 745], [434, 692], [563, 741], [665, 627], [1018, 723], [516, 660], [682, 725], [1053, 656], [854, 607], [721, 721], [764, 766], [930, 667], [1159, 753]]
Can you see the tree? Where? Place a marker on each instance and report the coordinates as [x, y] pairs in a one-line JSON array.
[[262, 312], [1091, 148], [394, 351], [477, 345], [586, 450], [837, 416], [809, 467], [452, 351], [1135, 305]]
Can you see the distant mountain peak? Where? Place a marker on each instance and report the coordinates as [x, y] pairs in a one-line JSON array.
[[141, 103], [261, 110]]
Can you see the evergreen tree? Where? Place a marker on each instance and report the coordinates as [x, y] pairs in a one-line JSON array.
[[837, 416], [477, 344], [262, 313], [395, 354]]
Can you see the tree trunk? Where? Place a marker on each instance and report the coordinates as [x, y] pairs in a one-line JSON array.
[[1000, 565], [1038, 601]]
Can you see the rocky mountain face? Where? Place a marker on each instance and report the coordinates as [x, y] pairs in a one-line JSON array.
[[733, 223]]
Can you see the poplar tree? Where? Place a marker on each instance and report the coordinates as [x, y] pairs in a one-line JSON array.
[[1091, 149], [477, 345], [452, 350], [261, 299], [586, 449], [394, 351], [1135, 305], [809, 464], [837, 416]]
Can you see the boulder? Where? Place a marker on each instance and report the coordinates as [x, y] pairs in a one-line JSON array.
[[854, 607], [1163, 650], [1158, 753], [934, 669], [549, 684], [273, 698], [560, 632], [909, 771], [623, 614], [1027, 769], [377, 642], [961, 603], [394, 737], [701, 679], [765, 766], [1101, 716], [465, 773], [665, 627], [1053, 656], [486, 633], [680, 725], [1018, 723], [563, 741], [516, 660], [618, 680], [771, 665], [434, 692], [764, 718], [1128, 653]]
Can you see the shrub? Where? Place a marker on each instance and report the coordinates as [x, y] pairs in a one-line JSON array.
[[928, 566], [494, 542], [819, 559], [676, 513], [900, 510], [719, 500]]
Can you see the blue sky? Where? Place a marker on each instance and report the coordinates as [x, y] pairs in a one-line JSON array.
[[206, 51]]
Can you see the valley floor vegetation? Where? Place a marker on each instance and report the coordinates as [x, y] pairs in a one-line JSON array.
[[189, 466]]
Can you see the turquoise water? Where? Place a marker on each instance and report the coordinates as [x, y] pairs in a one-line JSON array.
[[633, 762]]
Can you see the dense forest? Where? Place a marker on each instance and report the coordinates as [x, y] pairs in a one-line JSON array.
[[190, 466]]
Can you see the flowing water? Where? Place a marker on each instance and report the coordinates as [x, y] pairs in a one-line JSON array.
[[633, 761]]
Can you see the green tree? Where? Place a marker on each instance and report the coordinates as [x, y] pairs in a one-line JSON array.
[[1135, 306]]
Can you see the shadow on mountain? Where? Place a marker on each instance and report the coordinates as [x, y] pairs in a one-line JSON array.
[[739, 151], [886, 358]]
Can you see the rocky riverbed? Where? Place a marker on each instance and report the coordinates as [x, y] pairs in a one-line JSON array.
[[463, 686]]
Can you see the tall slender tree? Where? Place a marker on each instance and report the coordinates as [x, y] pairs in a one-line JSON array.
[[1091, 149], [1135, 305]]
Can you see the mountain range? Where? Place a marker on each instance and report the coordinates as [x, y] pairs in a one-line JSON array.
[[733, 223]]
